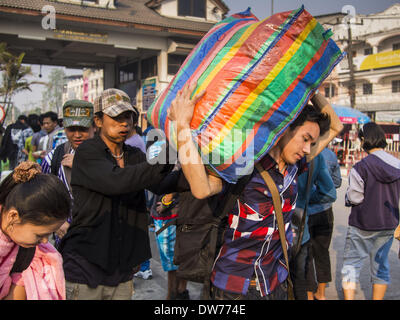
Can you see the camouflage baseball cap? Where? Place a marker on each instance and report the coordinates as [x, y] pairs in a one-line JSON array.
[[77, 113], [113, 102]]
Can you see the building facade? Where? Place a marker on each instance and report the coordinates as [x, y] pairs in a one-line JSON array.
[[139, 45], [375, 51], [84, 87]]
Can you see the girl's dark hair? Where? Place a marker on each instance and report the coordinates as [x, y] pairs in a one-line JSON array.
[[42, 200], [309, 113], [373, 136]]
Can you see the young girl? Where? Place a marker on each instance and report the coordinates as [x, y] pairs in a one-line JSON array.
[[33, 206]]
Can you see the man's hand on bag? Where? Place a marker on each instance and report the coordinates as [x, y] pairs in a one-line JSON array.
[[182, 107]]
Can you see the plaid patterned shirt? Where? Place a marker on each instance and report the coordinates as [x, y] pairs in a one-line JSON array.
[[46, 168], [252, 247]]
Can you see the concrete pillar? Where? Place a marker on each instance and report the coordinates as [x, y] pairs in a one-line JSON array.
[[109, 76], [162, 61]]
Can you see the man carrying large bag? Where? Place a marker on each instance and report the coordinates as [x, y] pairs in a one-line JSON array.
[[257, 78], [251, 262]]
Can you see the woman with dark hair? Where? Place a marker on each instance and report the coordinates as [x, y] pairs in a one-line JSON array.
[[372, 136], [373, 194], [33, 206]]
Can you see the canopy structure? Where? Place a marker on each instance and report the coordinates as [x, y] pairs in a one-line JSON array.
[[350, 115]]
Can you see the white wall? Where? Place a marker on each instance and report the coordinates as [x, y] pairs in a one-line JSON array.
[[378, 31], [169, 8]]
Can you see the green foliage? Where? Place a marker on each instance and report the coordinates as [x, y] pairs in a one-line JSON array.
[[13, 75], [53, 95]]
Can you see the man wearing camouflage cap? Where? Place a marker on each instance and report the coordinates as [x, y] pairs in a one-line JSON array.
[[78, 127], [108, 237]]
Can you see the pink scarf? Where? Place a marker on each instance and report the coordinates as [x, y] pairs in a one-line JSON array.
[[43, 279], [8, 253]]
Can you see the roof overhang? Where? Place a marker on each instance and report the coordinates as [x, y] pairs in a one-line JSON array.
[[105, 22]]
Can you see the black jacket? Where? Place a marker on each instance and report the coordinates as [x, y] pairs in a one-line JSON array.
[[8, 149], [109, 221]]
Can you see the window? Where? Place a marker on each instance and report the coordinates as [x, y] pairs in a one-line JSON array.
[[128, 72], [367, 51], [193, 8], [332, 91], [396, 86], [367, 88], [396, 46], [149, 67], [174, 63]]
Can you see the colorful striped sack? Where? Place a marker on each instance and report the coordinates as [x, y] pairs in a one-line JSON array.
[[258, 76]]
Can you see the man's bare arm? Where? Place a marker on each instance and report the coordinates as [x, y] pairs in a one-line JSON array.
[[336, 126], [202, 184]]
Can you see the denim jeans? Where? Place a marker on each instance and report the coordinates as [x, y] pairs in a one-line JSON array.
[[361, 244]]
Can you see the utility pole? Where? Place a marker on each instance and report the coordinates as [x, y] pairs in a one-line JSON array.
[[272, 7], [352, 85]]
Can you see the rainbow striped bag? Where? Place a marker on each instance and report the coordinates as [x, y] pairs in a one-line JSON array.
[[258, 76]]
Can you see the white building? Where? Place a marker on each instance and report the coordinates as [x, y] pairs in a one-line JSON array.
[[86, 87], [376, 60]]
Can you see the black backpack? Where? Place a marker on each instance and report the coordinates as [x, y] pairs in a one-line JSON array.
[[199, 237]]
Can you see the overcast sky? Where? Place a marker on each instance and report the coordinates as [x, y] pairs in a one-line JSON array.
[[261, 8], [26, 99]]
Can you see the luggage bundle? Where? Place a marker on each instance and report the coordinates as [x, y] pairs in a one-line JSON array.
[[258, 76]]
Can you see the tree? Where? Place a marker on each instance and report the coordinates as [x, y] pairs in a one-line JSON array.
[[13, 76], [53, 95]]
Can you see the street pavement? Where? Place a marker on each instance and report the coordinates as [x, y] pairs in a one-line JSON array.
[[156, 288]]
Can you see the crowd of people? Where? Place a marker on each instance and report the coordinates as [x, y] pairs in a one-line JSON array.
[[89, 183]]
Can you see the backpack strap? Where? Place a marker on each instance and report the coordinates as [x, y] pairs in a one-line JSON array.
[[303, 218], [165, 226], [23, 259], [67, 170], [276, 199]]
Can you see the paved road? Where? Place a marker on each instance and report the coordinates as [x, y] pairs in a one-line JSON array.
[[155, 289]]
